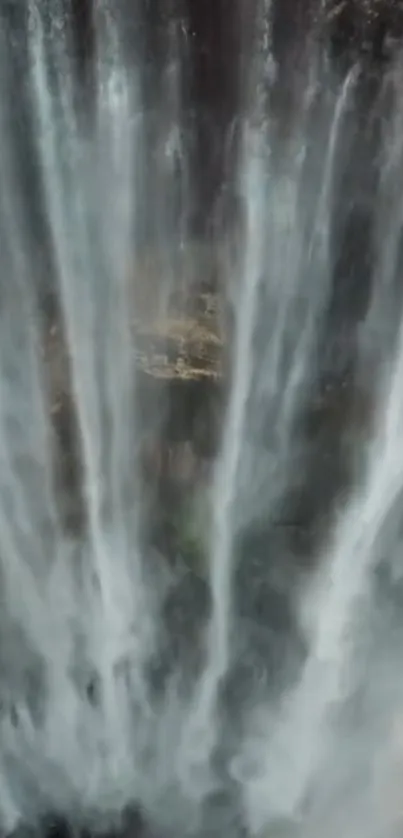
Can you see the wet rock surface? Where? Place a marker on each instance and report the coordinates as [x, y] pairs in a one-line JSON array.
[[371, 27]]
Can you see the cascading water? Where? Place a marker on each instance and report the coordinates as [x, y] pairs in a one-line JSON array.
[[310, 745]]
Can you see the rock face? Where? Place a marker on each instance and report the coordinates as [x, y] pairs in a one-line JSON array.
[[178, 356], [363, 26], [180, 326], [181, 387]]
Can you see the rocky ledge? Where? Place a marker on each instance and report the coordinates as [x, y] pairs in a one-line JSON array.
[[186, 347]]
